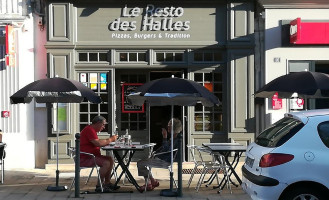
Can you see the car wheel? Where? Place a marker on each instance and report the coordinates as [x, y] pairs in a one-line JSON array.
[[302, 193]]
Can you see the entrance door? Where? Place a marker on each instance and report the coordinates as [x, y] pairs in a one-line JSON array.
[[160, 115], [131, 119]]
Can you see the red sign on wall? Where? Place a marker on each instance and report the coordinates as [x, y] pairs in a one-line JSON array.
[[10, 46], [5, 114], [309, 32], [276, 102]]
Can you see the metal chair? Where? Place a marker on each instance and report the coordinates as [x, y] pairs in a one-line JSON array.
[[210, 166], [161, 166], [95, 166], [196, 160], [2, 161]]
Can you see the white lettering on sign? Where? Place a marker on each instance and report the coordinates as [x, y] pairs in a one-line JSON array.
[[293, 29], [153, 19]]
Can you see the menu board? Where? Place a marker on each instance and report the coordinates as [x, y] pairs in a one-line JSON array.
[[128, 88]]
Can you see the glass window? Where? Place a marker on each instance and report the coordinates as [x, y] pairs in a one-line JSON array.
[[179, 56], [93, 57], [198, 56], [169, 57], [142, 57], [208, 56], [123, 57], [132, 121], [83, 57], [323, 130], [160, 57], [102, 56], [87, 111], [209, 118], [279, 132], [133, 57]]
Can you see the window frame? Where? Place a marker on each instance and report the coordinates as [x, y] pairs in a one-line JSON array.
[[165, 52]]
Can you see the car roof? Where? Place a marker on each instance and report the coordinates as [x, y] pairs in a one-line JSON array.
[[304, 115]]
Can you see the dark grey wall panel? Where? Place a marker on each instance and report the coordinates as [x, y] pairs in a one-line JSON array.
[[59, 22], [59, 65], [241, 22], [241, 77]]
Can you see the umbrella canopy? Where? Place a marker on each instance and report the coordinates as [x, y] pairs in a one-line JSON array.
[[55, 90], [306, 84], [173, 91]]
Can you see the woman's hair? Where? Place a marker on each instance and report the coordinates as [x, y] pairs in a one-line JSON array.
[[178, 127], [98, 119]]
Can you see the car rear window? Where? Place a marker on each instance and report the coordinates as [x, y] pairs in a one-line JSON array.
[[279, 132], [323, 130]]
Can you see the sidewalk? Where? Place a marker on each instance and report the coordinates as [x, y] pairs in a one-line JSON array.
[[32, 184]]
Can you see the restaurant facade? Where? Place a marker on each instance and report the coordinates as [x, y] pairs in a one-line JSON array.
[[113, 47], [231, 47]]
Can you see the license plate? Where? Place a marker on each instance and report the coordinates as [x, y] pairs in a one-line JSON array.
[[249, 162]]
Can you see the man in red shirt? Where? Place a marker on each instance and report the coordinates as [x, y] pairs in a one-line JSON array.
[[90, 143]]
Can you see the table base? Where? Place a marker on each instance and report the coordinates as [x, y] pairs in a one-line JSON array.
[[169, 193]]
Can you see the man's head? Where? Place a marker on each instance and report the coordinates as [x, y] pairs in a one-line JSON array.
[[178, 127], [98, 123]]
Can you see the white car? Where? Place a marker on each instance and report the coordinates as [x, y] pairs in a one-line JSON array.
[[290, 159]]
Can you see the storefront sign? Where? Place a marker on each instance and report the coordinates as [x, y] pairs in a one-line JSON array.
[[128, 88], [153, 19], [10, 46], [276, 102], [309, 32]]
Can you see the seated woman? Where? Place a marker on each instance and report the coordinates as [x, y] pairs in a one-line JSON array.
[[162, 159]]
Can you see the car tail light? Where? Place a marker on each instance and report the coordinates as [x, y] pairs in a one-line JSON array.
[[274, 159]]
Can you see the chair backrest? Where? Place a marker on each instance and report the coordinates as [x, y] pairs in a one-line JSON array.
[[192, 149], [202, 152], [73, 154]]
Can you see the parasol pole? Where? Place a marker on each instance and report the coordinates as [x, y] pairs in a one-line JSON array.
[[172, 147], [57, 187], [170, 192]]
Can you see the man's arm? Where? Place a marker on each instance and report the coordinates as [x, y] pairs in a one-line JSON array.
[[103, 142]]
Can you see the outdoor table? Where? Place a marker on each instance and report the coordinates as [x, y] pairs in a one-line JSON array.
[[128, 152], [226, 149]]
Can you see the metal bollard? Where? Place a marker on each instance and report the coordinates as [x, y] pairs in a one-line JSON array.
[[77, 165]]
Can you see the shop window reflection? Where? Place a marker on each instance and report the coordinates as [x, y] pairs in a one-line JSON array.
[[83, 57], [209, 118], [160, 57], [93, 57], [133, 57], [123, 57], [142, 57], [169, 57], [104, 97], [102, 56], [84, 118], [104, 107], [179, 57]]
